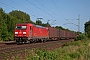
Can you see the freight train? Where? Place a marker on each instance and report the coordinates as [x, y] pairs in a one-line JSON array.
[[27, 33]]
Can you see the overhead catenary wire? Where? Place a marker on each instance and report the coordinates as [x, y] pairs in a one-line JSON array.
[[18, 5], [53, 12], [47, 8], [40, 9], [58, 9], [7, 5], [62, 14], [12, 6], [24, 7], [31, 10]]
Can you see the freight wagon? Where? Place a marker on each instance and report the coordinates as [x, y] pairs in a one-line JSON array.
[[27, 32], [58, 34]]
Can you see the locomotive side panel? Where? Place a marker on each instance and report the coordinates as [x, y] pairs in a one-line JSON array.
[[34, 32], [38, 32]]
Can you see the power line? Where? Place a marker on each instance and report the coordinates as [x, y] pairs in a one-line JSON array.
[[47, 8], [40, 9], [71, 22], [58, 9], [24, 7], [7, 5], [78, 22], [13, 7], [62, 14], [18, 5]]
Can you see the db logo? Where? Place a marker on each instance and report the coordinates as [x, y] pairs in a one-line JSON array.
[[20, 32]]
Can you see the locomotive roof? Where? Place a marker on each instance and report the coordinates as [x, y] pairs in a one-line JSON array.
[[39, 26], [23, 23], [32, 25]]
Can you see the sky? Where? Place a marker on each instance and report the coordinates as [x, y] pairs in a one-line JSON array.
[[57, 12]]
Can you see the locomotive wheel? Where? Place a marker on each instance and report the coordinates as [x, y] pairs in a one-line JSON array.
[[25, 41], [42, 40], [19, 43]]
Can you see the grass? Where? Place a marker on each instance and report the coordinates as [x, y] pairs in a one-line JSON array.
[[77, 50]]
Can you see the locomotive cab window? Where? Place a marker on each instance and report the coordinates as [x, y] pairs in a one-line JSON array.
[[30, 27], [20, 27]]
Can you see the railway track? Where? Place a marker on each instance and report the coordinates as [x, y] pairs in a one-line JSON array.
[[9, 48]]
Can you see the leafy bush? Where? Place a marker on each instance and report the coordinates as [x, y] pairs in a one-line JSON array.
[[77, 50], [87, 53], [80, 37], [6, 36], [74, 54], [87, 28], [46, 55], [66, 44], [77, 43]]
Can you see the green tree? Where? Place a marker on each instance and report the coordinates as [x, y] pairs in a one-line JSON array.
[[20, 16], [47, 24], [87, 28], [59, 27], [39, 22], [3, 25]]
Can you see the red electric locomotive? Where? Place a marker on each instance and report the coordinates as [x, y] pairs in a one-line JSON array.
[[27, 32]]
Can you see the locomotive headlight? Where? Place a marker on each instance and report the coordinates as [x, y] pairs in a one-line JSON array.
[[15, 35], [16, 32], [24, 32]]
